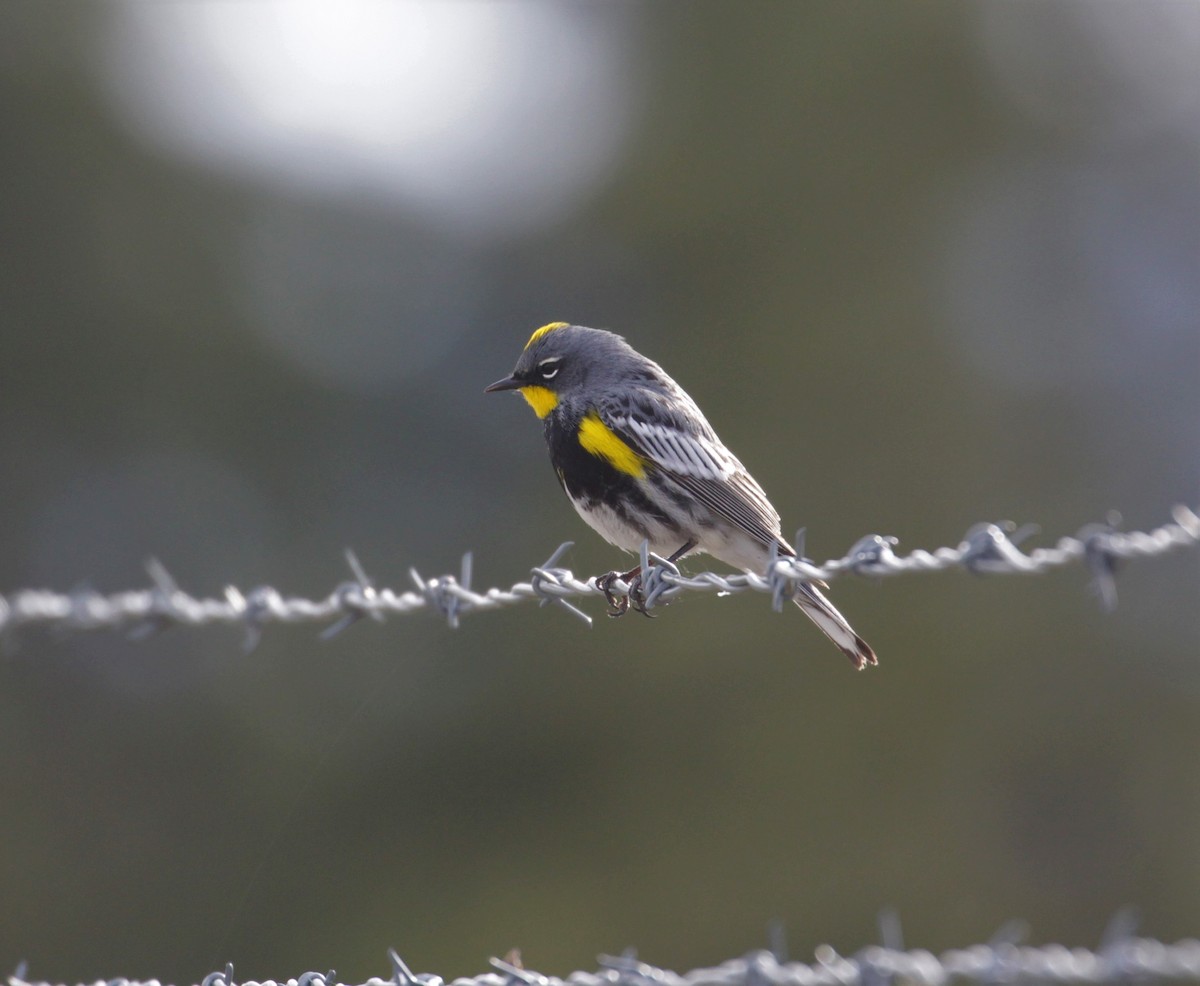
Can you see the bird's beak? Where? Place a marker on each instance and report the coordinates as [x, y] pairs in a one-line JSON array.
[[508, 383]]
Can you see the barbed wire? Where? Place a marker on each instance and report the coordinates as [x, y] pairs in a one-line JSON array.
[[986, 548], [1121, 958]]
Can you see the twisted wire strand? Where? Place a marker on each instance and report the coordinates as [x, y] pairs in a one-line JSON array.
[[987, 548], [1119, 960]]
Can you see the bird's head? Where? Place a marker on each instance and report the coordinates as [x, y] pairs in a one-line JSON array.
[[560, 360]]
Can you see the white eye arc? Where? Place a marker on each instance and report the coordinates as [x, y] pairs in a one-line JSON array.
[[548, 368]]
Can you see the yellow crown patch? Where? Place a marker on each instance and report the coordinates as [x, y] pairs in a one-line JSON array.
[[543, 330]]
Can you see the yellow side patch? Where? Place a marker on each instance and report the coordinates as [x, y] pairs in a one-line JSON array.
[[541, 399], [538, 333], [596, 437]]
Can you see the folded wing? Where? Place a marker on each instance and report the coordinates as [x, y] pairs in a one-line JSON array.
[[686, 450]]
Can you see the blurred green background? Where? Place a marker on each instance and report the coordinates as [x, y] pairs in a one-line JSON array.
[[923, 263]]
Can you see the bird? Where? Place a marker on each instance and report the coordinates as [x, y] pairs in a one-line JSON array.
[[641, 464]]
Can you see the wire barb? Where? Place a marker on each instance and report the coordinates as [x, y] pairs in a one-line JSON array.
[[223, 978], [986, 549], [517, 974], [549, 583]]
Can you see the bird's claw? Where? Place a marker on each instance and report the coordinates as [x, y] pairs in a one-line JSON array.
[[620, 605], [617, 605], [637, 596]]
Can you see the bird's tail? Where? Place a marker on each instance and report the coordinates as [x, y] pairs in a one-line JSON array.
[[822, 612]]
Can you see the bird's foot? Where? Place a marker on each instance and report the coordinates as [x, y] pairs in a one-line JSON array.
[[637, 596], [619, 605]]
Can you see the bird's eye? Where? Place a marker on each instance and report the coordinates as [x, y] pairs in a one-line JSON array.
[[548, 368]]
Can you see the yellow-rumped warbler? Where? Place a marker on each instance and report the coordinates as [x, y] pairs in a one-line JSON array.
[[640, 463]]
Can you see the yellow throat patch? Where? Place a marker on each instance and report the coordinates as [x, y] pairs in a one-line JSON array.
[[596, 437], [538, 333], [541, 399]]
